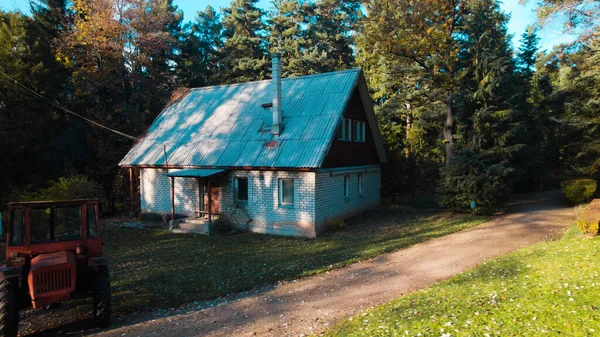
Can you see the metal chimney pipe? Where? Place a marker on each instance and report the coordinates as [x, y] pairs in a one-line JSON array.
[[277, 126]]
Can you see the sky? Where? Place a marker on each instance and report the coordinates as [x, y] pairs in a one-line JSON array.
[[521, 17]]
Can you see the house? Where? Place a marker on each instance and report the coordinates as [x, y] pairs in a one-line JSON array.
[[280, 156]]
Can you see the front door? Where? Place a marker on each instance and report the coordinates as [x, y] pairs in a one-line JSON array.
[[214, 197]]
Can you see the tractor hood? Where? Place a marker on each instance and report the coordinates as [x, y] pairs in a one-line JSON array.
[[52, 278]]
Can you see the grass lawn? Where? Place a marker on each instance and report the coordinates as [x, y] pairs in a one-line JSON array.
[[552, 288], [157, 269]]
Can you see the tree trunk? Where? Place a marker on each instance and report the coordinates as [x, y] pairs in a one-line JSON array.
[[408, 127], [449, 130]]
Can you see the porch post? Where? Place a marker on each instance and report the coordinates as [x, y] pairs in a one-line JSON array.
[[131, 189], [209, 203], [200, 201], [173, 198]]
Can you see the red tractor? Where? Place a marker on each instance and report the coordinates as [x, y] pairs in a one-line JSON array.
[[53, 253]]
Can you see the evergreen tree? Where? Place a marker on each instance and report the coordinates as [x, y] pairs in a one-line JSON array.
[[244, 50], [201, 45], [527, 55]]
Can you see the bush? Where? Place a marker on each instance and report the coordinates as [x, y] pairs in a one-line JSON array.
[[589, 221], [73, 187], [579, 191], [474, 177]]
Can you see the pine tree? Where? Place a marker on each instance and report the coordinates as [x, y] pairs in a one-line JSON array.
[[201, 47], [244, 51], [288, 37]]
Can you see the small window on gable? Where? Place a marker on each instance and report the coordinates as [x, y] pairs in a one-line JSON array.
[[360, 183], [346, 186], [345, 130], [241, 188], [359, 131], [286, 192]]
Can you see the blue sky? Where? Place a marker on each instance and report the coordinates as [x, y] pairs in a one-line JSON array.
[[521, 17]]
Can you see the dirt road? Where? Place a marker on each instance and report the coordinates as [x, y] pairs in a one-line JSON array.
[[313, 304]]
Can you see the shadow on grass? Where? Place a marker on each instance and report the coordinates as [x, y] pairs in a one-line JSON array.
[[160, 270]]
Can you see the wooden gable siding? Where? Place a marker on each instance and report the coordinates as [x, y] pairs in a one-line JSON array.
[[342, 153]]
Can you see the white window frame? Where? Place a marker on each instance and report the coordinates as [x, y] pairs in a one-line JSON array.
[[347, 186], [280, 190], [360, 183], [345, 130], [359, 131]]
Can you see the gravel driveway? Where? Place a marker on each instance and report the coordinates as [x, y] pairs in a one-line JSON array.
[[311, 305]]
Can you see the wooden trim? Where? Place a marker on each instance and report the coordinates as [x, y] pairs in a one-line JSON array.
[[240, 168], [209, 203], [172, 198], [372, 121]]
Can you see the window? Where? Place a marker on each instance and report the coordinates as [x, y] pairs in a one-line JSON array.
[[346, 186], [16, 229], [92, 226], [39, 224], [286, 191], [241, 188], [55, 224], [360, 184], [67, 223], [345, 130], [359, 132]]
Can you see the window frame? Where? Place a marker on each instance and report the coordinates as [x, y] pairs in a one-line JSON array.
[[359, 131], [360, 184], [347, 186], [11, 227], [280, 183], [237, 189], [52, 223], [345, 130], [88, 233]]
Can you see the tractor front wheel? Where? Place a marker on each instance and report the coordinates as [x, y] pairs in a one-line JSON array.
[[102, 297], [9, 308]]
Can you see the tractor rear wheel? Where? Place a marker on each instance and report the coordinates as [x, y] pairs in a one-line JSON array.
[[102, 297], [9, 308]]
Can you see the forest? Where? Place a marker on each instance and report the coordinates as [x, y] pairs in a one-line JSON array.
[[465, 115]]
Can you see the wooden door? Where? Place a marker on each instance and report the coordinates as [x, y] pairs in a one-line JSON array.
[[214, 195], [214, 198]]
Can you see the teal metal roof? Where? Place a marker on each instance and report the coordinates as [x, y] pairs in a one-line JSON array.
[[196, 173], [222, 126]]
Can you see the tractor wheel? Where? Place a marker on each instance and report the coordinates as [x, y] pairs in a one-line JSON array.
[[9, 308], [102, 297]]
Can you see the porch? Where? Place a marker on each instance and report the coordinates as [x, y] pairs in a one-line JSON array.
[[209, 205]]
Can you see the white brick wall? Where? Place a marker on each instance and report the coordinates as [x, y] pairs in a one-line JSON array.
[[155, 189], [263, 206], [330, 200], [318, 196]]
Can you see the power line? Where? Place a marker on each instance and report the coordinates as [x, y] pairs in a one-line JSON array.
[[34, 93]]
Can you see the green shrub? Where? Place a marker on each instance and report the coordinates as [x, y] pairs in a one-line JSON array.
[[65, 188], [579, 191], [474, 177]]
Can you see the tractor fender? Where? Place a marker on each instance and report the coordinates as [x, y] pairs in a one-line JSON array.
[[97, 261]]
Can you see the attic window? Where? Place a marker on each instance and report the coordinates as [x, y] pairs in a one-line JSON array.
[[345, 130], [359, 132]]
